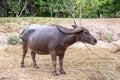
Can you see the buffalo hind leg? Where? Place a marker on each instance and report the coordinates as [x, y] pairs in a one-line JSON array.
[[53, 57], [61, 64], [24, 47], [34, 61]]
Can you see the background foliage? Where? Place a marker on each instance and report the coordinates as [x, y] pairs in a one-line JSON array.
[[60, 8]]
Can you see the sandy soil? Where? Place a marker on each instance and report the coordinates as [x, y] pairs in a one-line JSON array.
[[79, 63]]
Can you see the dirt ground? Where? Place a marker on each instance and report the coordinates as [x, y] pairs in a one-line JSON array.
[[79, 62]]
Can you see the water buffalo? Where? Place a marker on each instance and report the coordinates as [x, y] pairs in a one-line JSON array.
[[54, 40]]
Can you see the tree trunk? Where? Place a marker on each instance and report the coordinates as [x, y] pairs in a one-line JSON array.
[[20, 1], [6, 7], [51, 12], [115, 8], [25, 5], [114, 14], [80, 14], [98, 13]]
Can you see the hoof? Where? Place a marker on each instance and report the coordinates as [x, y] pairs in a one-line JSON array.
[[54, 73], [22, 65], [62, 72], [35, 66]]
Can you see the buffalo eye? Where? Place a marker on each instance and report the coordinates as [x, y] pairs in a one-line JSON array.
[[86, 33]]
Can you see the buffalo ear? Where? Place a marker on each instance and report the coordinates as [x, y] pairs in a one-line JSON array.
[[82, 30], [77, 30], [74, 26]]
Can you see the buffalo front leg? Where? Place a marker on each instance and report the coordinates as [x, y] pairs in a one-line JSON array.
[[53, 57], [24, 47], [34, 61], [61, 70]]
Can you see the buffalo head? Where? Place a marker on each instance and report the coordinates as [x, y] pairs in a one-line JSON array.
[[81, 33], [84, 35]]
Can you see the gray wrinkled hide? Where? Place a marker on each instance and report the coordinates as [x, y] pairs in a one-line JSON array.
[[42, 39]]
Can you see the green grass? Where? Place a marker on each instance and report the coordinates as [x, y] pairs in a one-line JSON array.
[[39, 20], [46, 20]]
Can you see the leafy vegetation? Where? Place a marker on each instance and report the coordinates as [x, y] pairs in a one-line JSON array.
[[60, 8], [13, 39], [110, 38]]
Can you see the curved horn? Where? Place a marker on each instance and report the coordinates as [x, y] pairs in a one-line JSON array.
[[68, 31], [75, 25]]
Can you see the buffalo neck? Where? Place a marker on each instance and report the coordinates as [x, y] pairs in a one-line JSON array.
[[69, 39]]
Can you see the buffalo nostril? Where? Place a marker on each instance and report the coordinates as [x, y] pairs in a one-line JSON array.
[[95, 40]]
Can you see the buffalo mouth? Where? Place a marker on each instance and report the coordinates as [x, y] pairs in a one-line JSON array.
[[94, 42], [86, 41]]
